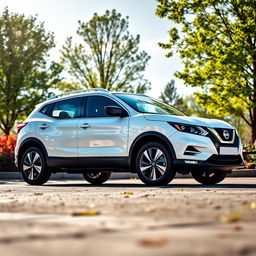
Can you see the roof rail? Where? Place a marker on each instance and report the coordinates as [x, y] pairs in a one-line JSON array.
[[78, 91]]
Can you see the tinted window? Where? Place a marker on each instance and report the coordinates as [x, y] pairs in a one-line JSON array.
[[145, 104], [67, 108], [95, 106], [45, 109]]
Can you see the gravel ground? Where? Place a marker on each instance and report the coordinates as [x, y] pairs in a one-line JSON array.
[[124, 217]]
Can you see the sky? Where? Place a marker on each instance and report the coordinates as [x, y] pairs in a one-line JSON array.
[[61, 17]]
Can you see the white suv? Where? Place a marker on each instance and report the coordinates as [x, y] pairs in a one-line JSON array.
[[96, 132]]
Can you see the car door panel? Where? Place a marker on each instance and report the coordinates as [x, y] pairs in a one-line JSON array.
[[57, 128], [100, 134], [106, 136], [59, 137]]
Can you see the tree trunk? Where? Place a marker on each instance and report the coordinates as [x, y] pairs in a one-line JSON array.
[[253, 126], [7, 130], [253, 135]]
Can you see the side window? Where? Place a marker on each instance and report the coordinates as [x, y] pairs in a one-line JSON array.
[[95, 106], [67, 108], [45, 109]]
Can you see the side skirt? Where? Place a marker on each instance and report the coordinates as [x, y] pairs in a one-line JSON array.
[[89, 163]]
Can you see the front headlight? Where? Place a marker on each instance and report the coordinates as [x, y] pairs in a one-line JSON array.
[[198, 130]]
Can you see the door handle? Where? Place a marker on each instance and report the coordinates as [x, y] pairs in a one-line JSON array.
[[43, 126], [85, 125]]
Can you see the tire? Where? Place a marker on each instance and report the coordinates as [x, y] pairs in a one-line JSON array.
[[153, 164], [209, 177], [97, 178], [33, 167]]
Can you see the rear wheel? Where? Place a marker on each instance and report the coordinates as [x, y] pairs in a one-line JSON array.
[[97, 178], [209, 177], [33, 167], [153, 164]]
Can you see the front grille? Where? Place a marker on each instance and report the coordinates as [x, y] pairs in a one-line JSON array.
[[225, 159], [219, 141], [225, 134]]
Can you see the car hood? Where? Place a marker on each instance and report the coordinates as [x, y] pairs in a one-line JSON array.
[[212, 123]]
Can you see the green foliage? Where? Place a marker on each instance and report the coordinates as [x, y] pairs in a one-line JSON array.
[[248, 147], [171, 97], [216, 41], [107, 57], [25, 76], [190, 106], [193, 107]]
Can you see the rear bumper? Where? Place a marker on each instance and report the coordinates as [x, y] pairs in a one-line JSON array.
[[215, 162], [16, 160]]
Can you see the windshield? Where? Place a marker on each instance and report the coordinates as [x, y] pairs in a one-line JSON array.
[[145, 104]]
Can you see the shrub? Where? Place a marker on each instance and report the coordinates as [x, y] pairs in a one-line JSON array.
[[249, 148], [7, 145]]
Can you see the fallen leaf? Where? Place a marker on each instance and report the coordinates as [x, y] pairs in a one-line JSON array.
[[156, 241], [234, 217], [146, 195], [128, 193], [217, 207], [86, 213], [149, 209], [252, 206], [237, 227], [165, 208], [181, 190], [38, 193]]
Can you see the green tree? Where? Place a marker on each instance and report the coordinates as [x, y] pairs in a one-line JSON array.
[[171, 97], [195, 109], [25, 76], [216, 41], [107, 57]]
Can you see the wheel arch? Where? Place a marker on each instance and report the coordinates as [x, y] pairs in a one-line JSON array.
[[31, 142], [148, 137]]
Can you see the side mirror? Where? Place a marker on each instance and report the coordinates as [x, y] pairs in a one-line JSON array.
[[115, 111]]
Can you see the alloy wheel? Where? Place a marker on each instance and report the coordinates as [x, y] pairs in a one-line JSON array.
[[94, 175], [153, 163], [32, 165]]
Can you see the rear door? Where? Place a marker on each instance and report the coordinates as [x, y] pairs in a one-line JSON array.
[[101, 135], [58, 128]]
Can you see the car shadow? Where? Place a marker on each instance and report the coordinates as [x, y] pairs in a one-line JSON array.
[[169, 186]]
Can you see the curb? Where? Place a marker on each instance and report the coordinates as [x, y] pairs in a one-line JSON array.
[[243, 173]]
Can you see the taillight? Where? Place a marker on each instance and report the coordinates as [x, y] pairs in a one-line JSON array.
[[20, 126]]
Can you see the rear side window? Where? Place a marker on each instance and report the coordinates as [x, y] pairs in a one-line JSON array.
[[95, 106], [45, 109], [67, 109]]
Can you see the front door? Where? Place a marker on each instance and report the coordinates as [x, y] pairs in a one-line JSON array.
[[101, 135]]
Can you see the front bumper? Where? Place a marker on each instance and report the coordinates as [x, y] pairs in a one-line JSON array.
[[215, 162]]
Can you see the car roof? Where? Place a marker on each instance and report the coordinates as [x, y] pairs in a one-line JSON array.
[[71, 94]]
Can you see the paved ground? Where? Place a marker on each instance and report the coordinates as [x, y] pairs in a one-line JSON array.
[[124, 217]]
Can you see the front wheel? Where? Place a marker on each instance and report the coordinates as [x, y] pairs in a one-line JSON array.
[[97, 178], [209, 177], [33, 167], [153, 164]]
